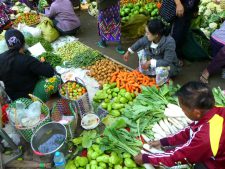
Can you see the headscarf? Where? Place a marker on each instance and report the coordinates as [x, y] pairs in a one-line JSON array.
[[14, 39]]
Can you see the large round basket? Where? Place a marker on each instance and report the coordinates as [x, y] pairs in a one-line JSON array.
[[82, 103], [27, 132]]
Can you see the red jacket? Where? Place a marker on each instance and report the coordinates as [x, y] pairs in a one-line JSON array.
[[201, 142]]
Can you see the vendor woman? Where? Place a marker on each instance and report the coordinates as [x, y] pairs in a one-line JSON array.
[[158, 46], [18, 71]]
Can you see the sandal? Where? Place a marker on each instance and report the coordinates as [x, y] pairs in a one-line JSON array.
[[102, 44], [120, 51], [203, 79]]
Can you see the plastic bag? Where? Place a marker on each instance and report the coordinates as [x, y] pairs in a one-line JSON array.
[[48, 31], [142, 60], [17, 114], [32, 114], [3, 46], [135, 26], [35, 32], [162, 75]]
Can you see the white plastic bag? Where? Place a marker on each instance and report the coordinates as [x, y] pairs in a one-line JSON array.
[[35, 32], [32, 116], [3, 46], [162, 75]]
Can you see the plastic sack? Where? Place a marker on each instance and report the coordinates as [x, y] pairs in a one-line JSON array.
[[35, 32], [32, 114], [162, 75], [48, 31], [3, 46], [135, 26], [142, 60], [17, 114]]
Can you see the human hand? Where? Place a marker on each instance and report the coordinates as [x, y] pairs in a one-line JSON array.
[[126, 56], [138, 159], [179, 10], [146, 65], [155, 144], [42, 59]]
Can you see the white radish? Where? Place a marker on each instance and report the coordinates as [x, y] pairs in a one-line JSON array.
[[157, 136], [158, 129], [146, 139], [148, 166], [175, 129], [150, 149], [169, 126], [178, 122], [164, 127], [183, 120], [145, 152], [189, 121], [177, 125]]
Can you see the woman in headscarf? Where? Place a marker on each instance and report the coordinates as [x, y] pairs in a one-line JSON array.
[[18, 71], [109, 23]]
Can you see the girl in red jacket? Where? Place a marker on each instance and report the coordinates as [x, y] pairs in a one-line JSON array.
[[203, 142]]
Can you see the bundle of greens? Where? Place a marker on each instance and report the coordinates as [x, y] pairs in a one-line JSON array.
[[148, 108], [86, 58], [219, 96], [51, 58], [120, 141], [30, 41]]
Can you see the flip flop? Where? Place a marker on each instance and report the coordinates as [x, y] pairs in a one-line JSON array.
[[203, 79], [120, 51], [101, 45]]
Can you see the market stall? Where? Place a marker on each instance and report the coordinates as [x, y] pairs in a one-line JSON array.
[[105, 112]]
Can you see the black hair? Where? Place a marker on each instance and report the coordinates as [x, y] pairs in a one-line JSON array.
[[156, 26], [15, 41], [196, 95]]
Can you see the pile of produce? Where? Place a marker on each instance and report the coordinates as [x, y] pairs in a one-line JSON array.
[[124, 2], [28, 18], [102, 70], [113, 99], [210, 17], [98, 159], [86, 58], [72, 90], [30, 41], [76, 49], [132, 81], [21, 8], [148, 108], [129, 10], [51, 58]]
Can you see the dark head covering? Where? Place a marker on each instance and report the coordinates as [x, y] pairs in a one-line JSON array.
[[14, 39]]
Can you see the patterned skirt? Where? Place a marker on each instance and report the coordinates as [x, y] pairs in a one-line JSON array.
[[109, 23]]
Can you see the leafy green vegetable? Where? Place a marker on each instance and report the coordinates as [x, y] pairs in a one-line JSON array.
[[120, 141], [51, 58], [30, 41], [86, 58], [86, 138], [219, 96]]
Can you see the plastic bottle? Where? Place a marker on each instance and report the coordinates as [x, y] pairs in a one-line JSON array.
[[59, 160]]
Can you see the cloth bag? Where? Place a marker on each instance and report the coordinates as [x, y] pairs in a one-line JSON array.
[[135, 26], [48, 31]]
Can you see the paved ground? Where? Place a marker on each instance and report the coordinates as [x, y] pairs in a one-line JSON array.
[[89, 36]]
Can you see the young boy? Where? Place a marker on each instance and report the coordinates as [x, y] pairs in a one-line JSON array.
[[203, 142]]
